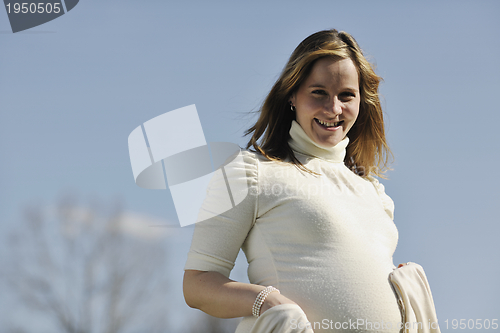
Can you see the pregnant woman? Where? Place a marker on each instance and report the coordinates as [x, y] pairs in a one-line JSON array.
[[316, 227]]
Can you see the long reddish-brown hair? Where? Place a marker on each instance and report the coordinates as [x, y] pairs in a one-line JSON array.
[[367, 153]]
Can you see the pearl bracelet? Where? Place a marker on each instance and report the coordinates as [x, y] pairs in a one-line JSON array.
[[260, 300]]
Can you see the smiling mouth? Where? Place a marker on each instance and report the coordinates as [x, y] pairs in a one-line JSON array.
[[328, 124]]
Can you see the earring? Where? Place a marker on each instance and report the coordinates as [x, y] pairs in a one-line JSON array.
[[292, 107]]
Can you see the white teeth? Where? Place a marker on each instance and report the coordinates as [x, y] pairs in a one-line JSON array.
[[328, 124]]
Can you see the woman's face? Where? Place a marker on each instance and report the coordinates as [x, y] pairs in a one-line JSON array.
[[327, 102]]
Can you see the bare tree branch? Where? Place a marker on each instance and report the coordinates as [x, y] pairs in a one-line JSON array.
[[77, 266]]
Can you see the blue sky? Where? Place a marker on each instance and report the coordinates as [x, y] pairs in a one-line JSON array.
[[73, 89]]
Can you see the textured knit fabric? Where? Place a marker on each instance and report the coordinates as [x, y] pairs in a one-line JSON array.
[[326, 240], [415, 298], [283, 318]]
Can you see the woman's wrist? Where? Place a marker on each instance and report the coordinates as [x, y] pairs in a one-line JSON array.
[[261, 297], [274, 299]]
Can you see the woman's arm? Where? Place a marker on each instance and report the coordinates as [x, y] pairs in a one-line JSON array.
[[218, 296]]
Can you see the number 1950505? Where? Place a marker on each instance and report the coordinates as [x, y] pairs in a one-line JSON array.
[[472, 324], [40, 8]]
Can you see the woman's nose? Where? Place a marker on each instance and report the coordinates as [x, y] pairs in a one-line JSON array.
[[335, 106]]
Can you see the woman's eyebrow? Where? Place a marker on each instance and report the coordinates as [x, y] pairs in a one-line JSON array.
[[351, 89], [319, 85]]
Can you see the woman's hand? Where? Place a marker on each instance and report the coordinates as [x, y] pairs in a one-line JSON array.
[[274, 299]]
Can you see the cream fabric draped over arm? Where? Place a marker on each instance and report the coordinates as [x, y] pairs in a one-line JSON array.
[[415, 299]]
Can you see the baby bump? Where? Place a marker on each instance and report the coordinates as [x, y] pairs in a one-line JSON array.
[[345, 302]]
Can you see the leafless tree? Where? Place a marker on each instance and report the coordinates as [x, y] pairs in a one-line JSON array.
[[79, 268]]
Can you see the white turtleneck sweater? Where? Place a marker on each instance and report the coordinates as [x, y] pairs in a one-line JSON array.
[[326, 242]]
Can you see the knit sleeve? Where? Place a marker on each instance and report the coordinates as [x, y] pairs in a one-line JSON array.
[[386, 200], [218, 239]]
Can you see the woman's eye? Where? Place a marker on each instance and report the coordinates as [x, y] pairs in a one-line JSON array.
[[347, 95], [319, 92]]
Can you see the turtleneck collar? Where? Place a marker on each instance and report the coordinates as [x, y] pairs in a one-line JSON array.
[[302, 143]]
